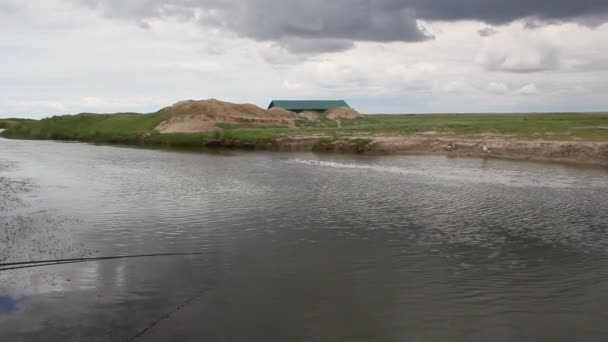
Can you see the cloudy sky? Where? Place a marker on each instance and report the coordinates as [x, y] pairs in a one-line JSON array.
[[70, 56]]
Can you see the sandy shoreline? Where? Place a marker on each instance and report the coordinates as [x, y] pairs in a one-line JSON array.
[[574, 152], [592, 153]]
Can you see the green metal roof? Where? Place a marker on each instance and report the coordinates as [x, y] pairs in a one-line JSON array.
[[314, 105]]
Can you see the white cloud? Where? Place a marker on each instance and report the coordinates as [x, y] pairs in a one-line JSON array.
[[410, 72], [200, 66], [93, 102], [487, 32], [519, 50], [56, 58], [579, 89], [144, 25], [279, 56], [458, 87], [23, 105], [293, 85], [497, 88], [528, 89], [453, 87]]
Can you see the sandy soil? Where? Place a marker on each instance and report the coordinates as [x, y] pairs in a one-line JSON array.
[[569, 151], [310, 116], [595, 153], [342, 113], [199, 116]]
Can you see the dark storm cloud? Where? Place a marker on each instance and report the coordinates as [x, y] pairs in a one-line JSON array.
[[501, 11], [299, 26], [320, 25]]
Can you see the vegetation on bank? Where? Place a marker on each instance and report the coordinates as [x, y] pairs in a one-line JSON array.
[[130, 129], [8, 123], [138, 129]]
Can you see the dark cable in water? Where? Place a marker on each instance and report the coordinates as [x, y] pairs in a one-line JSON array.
[[40, 263], [99, 258]]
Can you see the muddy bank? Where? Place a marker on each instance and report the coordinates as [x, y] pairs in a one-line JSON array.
[[562, 151], [595, 153], [296, 144]]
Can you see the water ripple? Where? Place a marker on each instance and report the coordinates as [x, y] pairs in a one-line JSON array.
[[368, 248]]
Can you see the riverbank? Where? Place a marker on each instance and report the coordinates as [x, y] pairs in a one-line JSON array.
[[580, 152], [579, 138], [592, 153]]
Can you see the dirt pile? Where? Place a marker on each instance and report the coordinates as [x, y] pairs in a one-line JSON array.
[[342, 113], [280, 113], [310, 116], [207, 115], [199, 116], [336, 114]]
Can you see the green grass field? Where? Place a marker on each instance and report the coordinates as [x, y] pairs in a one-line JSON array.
[[132, 128], [587, 127]]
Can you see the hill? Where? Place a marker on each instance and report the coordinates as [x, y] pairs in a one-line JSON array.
[[207, 115], [200, 116]]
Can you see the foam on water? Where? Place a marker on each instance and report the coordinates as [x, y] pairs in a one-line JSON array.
[[454, 172]]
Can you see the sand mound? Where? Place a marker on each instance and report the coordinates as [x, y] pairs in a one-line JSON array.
[[342, 113], [186, 124], [280, 112], [207, 115], [310, 116], [197, 116]]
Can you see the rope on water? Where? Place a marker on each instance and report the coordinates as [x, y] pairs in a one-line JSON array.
[[52, 262]]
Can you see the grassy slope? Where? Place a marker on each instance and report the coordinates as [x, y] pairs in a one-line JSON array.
[[125, 128], [113, 128], [11, 122], [130, 128]]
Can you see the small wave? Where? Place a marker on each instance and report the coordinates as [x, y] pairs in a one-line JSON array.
[[456, 173]]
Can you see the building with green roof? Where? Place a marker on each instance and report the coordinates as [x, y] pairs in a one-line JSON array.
[[308, 105]]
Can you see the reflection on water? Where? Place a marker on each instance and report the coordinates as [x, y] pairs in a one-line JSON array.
[[9, 304], [301, 247]]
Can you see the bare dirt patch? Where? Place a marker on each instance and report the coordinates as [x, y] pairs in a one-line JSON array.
[[498, 147], [277, 112]]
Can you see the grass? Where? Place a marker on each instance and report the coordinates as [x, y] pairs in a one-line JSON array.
[[11, 122], [567, 126], [138, 129], [123, 127], [131, 129]]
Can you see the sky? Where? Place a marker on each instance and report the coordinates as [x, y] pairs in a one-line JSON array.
[[382, 56]]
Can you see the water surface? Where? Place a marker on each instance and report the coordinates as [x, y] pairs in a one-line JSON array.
[[299, 247]]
